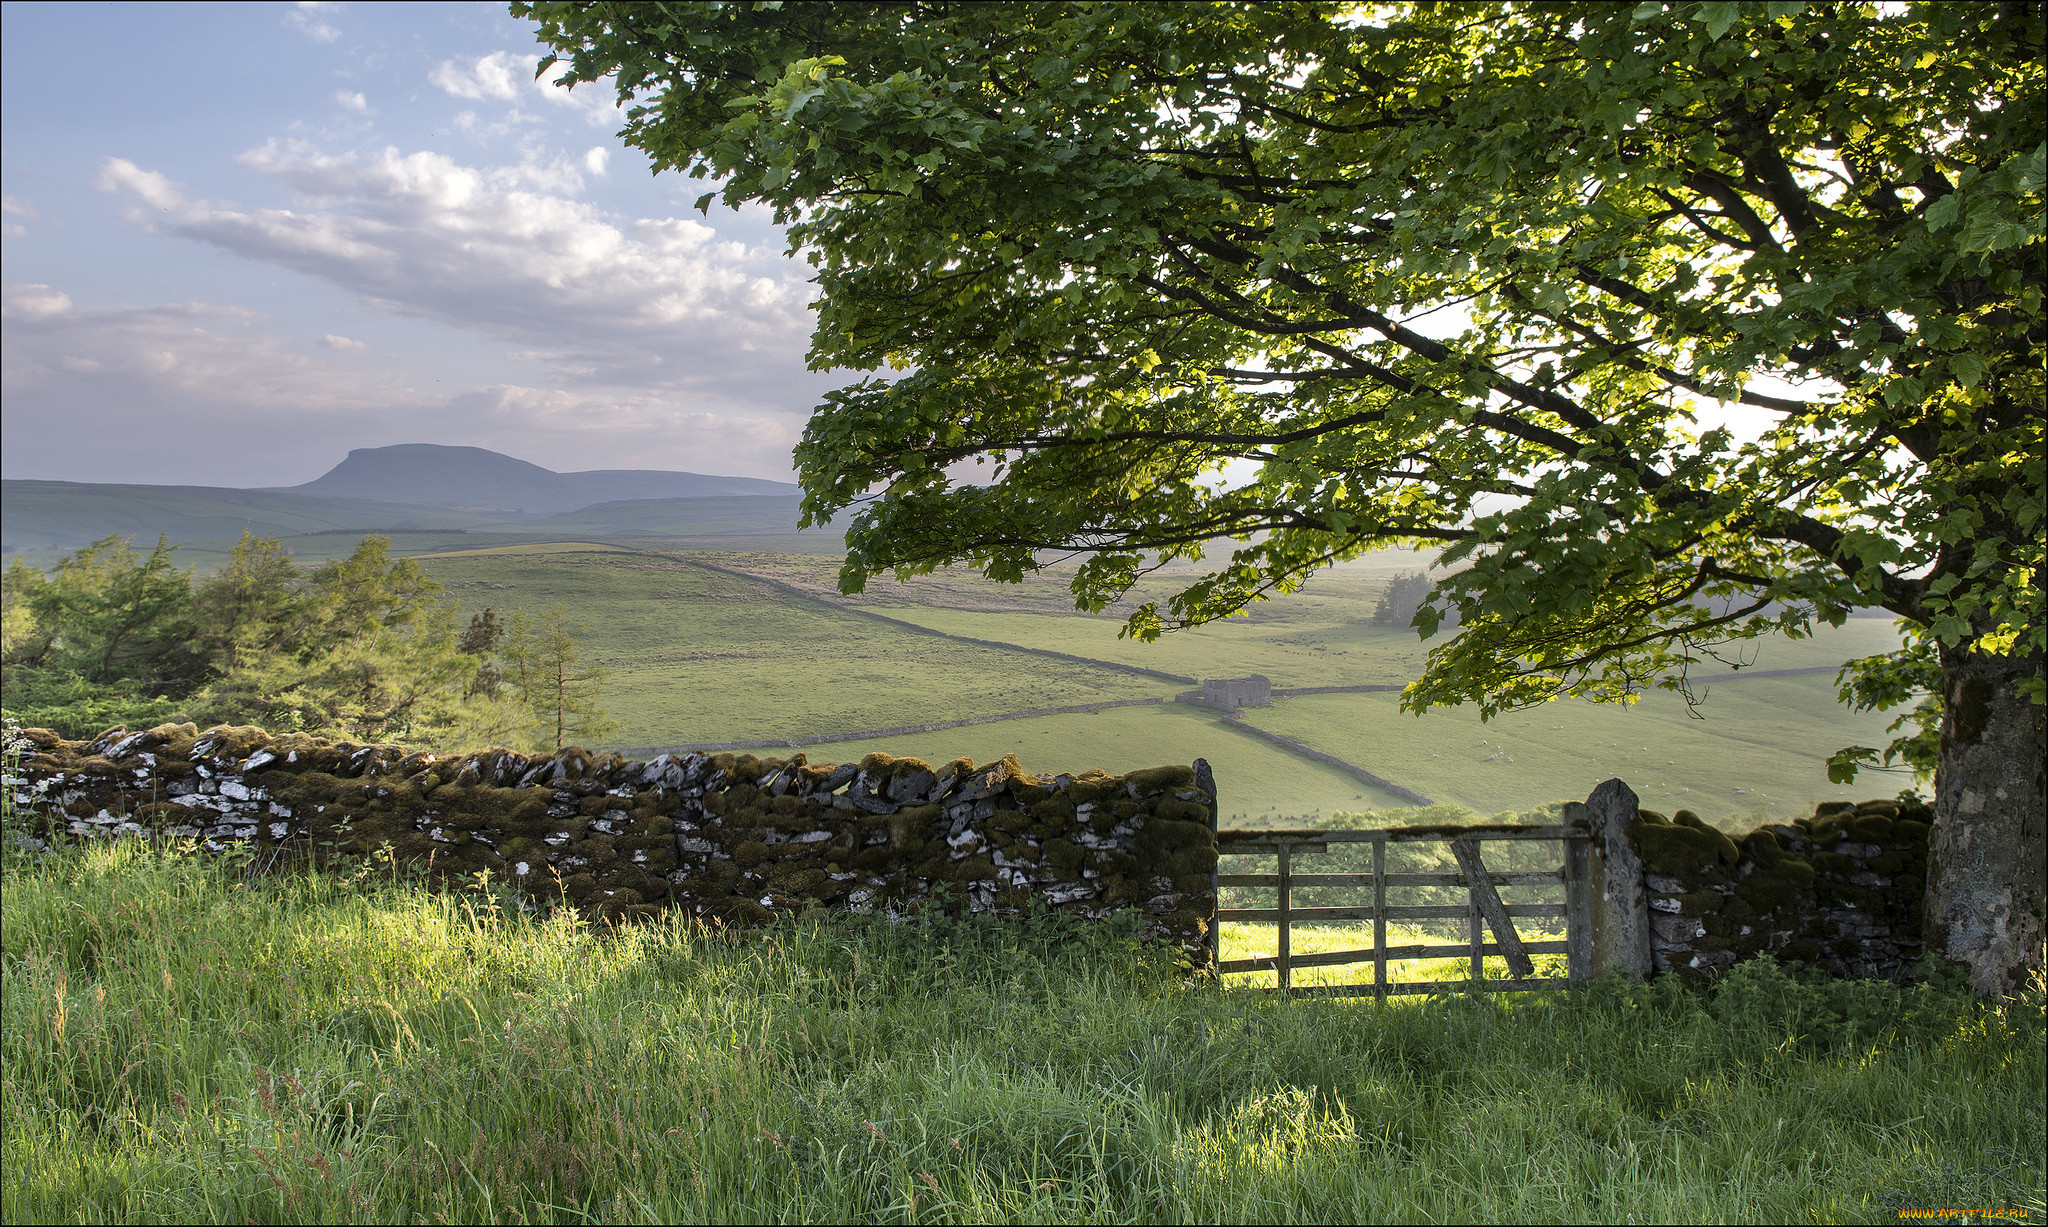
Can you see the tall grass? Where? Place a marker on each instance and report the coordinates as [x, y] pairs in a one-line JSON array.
[[183, 1042]]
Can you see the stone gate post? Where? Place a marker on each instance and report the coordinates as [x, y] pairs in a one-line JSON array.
[[1608, 901]]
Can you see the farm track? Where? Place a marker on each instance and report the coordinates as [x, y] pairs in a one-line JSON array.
[[1232, 718], [900, 624]]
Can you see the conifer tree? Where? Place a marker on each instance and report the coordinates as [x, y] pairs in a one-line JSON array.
[[561, 691]]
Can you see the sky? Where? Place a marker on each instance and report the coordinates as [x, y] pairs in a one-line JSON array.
[[242, 239]]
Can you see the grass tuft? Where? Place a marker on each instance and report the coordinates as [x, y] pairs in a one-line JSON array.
[[185, 1042]]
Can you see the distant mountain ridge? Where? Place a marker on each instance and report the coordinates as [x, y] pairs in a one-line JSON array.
[[63, 515], [413, 486], [476, 479]]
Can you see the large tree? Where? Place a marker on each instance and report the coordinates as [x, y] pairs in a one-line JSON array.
[[1673, 323]]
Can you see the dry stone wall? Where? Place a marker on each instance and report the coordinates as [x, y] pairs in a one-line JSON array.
[[1842, 891], [727, 836]]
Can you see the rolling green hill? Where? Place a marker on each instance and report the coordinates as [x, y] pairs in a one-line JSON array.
[[702, 655], [63, 515], [699, 655]]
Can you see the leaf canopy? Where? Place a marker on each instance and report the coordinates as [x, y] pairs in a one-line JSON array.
[[1484, 276]]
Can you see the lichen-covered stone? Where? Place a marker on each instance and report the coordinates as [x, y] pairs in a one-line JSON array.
[[1840, 890], [735, 837]]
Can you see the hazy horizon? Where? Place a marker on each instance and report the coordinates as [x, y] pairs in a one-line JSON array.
[[275, 486]]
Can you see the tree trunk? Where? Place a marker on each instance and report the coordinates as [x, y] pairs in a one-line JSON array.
[[1986, 896]]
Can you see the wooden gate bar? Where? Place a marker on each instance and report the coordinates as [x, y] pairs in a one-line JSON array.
[[1486, 902], [1417, 988], [1397, 911], [1379, 917], [1540, 878], [1205, 779], [1578, 902], [1338, 958], [1284, 965], [1485, 948], [1475, 937], [1228, 842], [1439, 835]]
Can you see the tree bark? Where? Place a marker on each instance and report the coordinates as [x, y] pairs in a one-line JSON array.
[[1987, 900]]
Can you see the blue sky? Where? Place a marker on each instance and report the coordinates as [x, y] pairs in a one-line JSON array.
[[241, 239]]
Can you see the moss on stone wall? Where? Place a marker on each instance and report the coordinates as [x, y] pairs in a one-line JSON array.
[[1842, 890], [732, 837]]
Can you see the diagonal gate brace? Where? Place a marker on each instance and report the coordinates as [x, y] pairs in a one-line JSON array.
[[1481, 886]]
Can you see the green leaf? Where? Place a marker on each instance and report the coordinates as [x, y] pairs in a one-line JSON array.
[[1967, 368], [1843, 764]]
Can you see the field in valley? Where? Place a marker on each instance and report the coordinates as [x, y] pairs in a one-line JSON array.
[[700, 654], [753, 641]]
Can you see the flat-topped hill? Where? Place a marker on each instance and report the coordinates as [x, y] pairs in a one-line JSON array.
[[404, 488], [476, 479]]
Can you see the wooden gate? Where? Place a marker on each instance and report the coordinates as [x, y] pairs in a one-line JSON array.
[[1482, 911]]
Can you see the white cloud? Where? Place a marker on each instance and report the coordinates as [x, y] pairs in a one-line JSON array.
[[121, 175], [305, 18], [598, 101], [674, 233], [34, 302], [505, 77], [334, 341], [19, 207], [490, 76], [597, 159], [353, 100], [655, 305], [511, 122], [199, 350]]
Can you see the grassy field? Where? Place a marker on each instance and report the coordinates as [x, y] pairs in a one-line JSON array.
[[205, 556], [1759, 753], [698, 656], [40, 514], [702, 657], [1320, 636], [184, 1044]]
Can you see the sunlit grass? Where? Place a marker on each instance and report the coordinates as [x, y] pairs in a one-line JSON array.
[[1246, 941], [184, 1044]]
